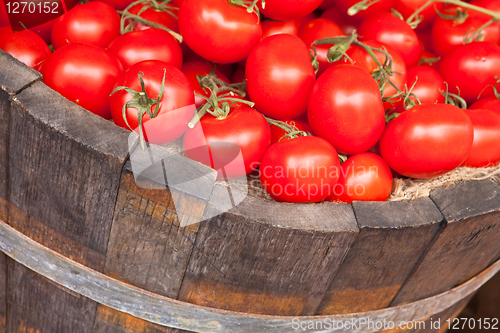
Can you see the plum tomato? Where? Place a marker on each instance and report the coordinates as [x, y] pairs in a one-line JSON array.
[[391, 30], [218, 30], [303, 169], [148, 44], [472, 68], [363, 177], [280, 76], [218, 142], [176, 107], [345, 108], [485, 151], [83, 73], [427, 140], [95, 23]]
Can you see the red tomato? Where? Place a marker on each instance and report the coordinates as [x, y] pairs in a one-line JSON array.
[[270, 28], [364, 61], [303, 169], [375, 7], [117, 4], [218, 142], [345, 108], [157, 16], [194, 68], [429, 84], [176, 106], [95, 23], [25, 46], [363, 177], [427, 140], [44, 31], [288, 9], [278, 135], [280, 76], [341, 18], [472, 67], [430, 60], [448, 34], [490, 103], [485, 149], [149, 44], [318, 29], [408, 7], [84, 74], [218, 31], [326, 4], [388, 29]]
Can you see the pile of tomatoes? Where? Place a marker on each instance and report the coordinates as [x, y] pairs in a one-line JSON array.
[[291, 87]]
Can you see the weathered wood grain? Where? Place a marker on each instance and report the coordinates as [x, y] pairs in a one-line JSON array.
[[241, 261], [168, 312], [109, 320], [65, 166], [393, 237], [36, 304], [147, 247], [467, 245], [3, 291], [14, 77]]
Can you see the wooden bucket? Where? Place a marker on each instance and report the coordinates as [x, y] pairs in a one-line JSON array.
[[66, 183]]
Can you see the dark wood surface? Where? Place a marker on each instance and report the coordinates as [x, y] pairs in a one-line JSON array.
[[467, 245], [65, 173], [393, 238], [251, 266], [35, 304]]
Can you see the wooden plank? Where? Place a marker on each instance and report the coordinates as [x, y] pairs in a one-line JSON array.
[[172, 313], [65, 166], [147, 246], [3, 291], [109, 320], [467, 245], [258, 258], [14, 77], [393, 237], [35, 304]]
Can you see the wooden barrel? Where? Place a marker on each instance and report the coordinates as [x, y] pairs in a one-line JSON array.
[[67, 183]]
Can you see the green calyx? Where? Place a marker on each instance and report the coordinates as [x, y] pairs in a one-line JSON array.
[[251, 6], [142, 102]]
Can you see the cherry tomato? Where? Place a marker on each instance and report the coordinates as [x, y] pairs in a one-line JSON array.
[[176, 105], [303, 169], [149, 44], [485, 151], [427, 140], [319, 29], [95, 23], [471, 67], [194, 68], [388, 29], [288, 9], [280, 76], [448, 34], [217, 142], [84, 74], [363, 177], [278, 135], [25, 46], [218, 31], [345, 108]]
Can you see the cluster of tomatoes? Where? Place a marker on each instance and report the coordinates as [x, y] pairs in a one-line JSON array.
[[292, 87]]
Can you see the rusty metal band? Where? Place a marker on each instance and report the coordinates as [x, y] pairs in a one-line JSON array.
[[181, 315]]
